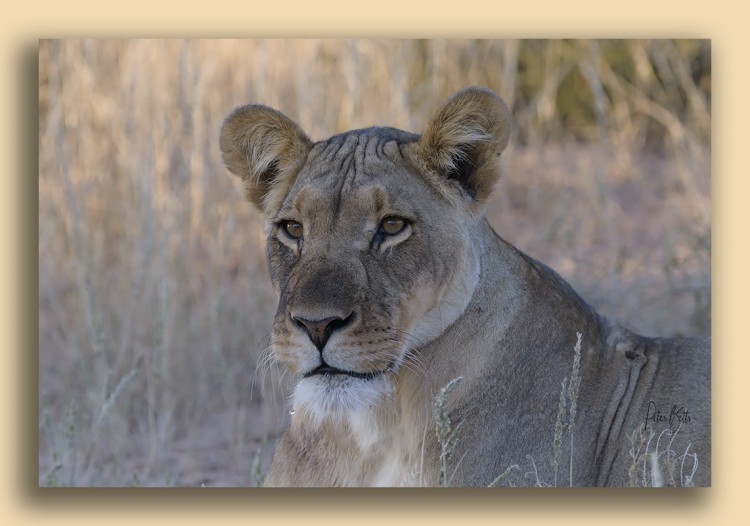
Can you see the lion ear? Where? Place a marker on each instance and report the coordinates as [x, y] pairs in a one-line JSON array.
[[465, 138], [266, 150]]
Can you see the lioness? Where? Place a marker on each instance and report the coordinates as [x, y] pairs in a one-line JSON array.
[[391, 284]]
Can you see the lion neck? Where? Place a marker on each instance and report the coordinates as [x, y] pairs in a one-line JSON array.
[[374, 447]]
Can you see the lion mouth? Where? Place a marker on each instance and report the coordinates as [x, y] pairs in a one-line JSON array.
[[325, 369]]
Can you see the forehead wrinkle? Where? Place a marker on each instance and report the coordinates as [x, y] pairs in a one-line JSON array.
[[363, 156], [337, 171]]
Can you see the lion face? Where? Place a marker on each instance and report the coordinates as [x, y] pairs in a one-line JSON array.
[[368, 262], [367, 240]]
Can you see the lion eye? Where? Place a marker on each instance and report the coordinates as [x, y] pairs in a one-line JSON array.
[[393, 225], [293, 229]]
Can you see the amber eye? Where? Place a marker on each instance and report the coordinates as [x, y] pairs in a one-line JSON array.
[[293, 229], [393, 225]]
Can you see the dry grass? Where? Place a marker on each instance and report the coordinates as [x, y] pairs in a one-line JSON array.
[[154, 300]]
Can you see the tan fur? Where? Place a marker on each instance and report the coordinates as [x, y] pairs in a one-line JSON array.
[[445, 297], [264, 148]]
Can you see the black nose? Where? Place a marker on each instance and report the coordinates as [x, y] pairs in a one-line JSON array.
[[320, 330]]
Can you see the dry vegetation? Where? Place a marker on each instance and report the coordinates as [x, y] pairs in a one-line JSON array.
[[154, 300]]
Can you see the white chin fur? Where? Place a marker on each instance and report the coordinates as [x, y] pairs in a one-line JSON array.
[[338, 397]]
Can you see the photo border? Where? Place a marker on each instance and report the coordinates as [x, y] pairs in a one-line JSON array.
[[23, 502]]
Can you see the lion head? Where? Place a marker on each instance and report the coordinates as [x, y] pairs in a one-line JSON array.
[[368, 239]]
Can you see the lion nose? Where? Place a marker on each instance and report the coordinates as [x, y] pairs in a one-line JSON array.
[[320, 330]]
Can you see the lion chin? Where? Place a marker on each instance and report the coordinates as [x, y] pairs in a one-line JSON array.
[[336, 397]]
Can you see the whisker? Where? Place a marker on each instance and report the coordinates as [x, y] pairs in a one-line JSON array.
[[414, 365]]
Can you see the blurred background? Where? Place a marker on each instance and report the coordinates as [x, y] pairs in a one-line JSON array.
[[155, 306]]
